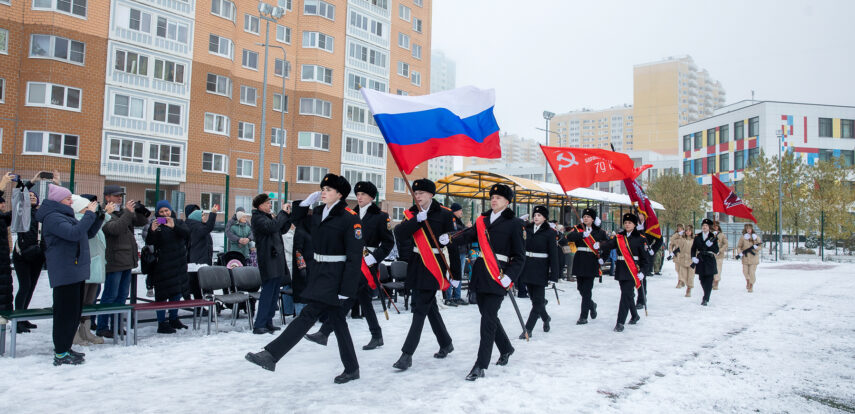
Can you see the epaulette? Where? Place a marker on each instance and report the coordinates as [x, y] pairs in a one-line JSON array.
[[347, 209], [445, 207]]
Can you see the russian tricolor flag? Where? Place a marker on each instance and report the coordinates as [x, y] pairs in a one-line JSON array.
[[419, 128]]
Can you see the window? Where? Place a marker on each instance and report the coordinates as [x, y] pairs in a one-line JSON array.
[[687, 167], [402, 92], [139, 21], [2, 90], [355, 114], [723, 134], [277, 137], [312, 106], [130, 62], [399, 186], [250, 23], [739, 130], [318, 40], [375, 149], [4, 41], [404, 69], [283, 34], [244, 168], [169, 113], [53, 96], [847, 155], [282, 67], [214, 162], [307, 174], [313, 140], [280, 104], [208, 200], [825, 128], [248, 95], [739, 160], [687, 142], [172, 30], [417, 78], [151, 197], [216, 124], [246, 131], [72, 7], [354, 82], [219, 85], [383, 4], [126, 150], [128, 106], [168, 71], [51, 143], [753, 153], [847, 128], [285, 4], [220, 46], [314, 73], [366, 54], [711, 136], [711, 164], [698, 167], [163, 154], [354, 146], [419, 3], [276, 171], [319, 8], [355, 176], [53, 47], [359, 21], [404, 12], [223, 8], [699, 140], [724, 162], [417, 25], [250, 59], [397, 213], [754, 127], [417, 51], [403, 40], [244, 202]]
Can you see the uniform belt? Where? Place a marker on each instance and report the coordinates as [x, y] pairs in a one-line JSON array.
[[435, 250], [537, 255], [329, 258], [370, 249], [502, 258], [633, 258], [584, 249]]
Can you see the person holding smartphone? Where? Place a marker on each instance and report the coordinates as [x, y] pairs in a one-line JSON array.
[[168, 234], [5, 266]]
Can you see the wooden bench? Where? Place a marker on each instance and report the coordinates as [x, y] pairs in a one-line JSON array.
[[156, 306], [47, 313]]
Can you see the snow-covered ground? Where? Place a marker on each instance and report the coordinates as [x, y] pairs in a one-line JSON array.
[[787, 347]]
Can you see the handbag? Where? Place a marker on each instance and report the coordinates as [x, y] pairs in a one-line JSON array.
[[148, 260]]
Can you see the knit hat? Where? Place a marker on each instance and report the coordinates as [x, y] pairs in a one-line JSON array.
[[423, 184], [456, 207], [241, 214], [78, 203], [239, 210], [542, 211], [196, 215], [338, 183], [366, 187], [259, 200], [161, 204], [503, 191], [57, 193], [189, 208]]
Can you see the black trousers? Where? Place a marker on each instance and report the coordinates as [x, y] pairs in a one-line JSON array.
[[706, 283], [585, 285], [294, 332], [642, 299], [491, 329], [627, 287], [363, 296], [522, 290], [28, 274], [67, 308], [537, 294], [424, 305]]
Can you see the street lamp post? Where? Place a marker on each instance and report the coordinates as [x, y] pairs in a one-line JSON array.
[[279, 170], [780, 198], [547, 116], [268, 13]]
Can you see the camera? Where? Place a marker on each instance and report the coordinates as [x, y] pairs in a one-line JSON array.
[[140, 209]]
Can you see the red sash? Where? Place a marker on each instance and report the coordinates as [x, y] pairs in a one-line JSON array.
[[589, 241], [366, 271], [623, 246], [487, 254], [427, 255]]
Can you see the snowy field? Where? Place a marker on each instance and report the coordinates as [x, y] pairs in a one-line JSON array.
[[787, 347]]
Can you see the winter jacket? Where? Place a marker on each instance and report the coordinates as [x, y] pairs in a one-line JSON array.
[[376, 236], [201, 246], [672, 243], [122, 250], [440, 220], [97, 247], [303, 245], [237, 231], [683, 250], [67, 242], [706, 265], [586, 263], [749, 250], [507, 239], [169, 277], [538, 270], [5, 266], [638, 247], [269, 247], [722, 246]]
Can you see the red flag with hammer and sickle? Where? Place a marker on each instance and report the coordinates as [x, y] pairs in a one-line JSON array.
[[581, 167]]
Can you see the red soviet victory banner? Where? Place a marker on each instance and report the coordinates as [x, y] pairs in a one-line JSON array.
[[645, 208], [581, 167], [725, 201]]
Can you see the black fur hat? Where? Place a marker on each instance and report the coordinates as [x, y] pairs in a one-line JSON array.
[[366, 187], [503, 191], [337, 182], [630, 217], [423, 184], [542, 210]]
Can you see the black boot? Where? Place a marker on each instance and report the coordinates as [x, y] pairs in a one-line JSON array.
[[594, 311], [404, 362], [176, 324], [444, 351], [263, 359], [619, 327], [347, 377], [75, 353], [317, 338], [22, 328], [260, 331], [704, 303], [546, 324], [477, 372], [164, 328], [30, 325], [582, 321], [633, 320], [639, 305], [272, 328], [523, 335], [503, 358], [67, 359], [373, 343]]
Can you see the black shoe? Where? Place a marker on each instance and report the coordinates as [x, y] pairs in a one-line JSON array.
[[68, 359], [461, 302], [582, 321], [450, 302], [633, 320], [443, 351], [704, 303], [619, 327], [594, 311], [347, 377], [503, 358], [477, 372], [106, 333], [260, 331], [373, 344], [404, 362], [639, 306], [272, 328], [546, 324], [658, 274], [262, 359], [162, 328], [523, 335], [176, 324], [317, 338], [22, 328], [75, 353], [30, 325]]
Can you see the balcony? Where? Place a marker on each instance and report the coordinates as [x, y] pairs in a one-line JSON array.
[[379, 11], [171, 88], [145, 39], [141, 173], [128, 79], [362, 159], [368, 37], [367, 67], [362, 128], [183, 7], [355, 95]]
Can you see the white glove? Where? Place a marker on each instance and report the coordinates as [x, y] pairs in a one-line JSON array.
[[754, 236], [601, 262], [596, 245], [756, 246], [586, 233], [506, 281], [652, 253], [640, 276], [524, 217], [640, 227], [311, 199], [680, 232], [695, 260], [715, 232], [422, 216], [370, 260], [597, 222], [552, 226], [747, 236], [455, 283], [443, 239], [709, 243], [342, 297]]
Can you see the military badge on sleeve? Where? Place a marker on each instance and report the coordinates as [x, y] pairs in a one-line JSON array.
[[357, 231]]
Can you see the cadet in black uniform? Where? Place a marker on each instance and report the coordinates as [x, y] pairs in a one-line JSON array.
[[541, 266], [704, 249], [655, 243], [640, 256], [378, 240], [507, 240], [333, 277], [587, 262], [424, 284]]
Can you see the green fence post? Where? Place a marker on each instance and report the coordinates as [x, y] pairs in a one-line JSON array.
[[157, 186], [226, 216], [822, 236], [71, 176]]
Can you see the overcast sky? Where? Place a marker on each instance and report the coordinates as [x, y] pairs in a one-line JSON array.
[[565, 55]]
